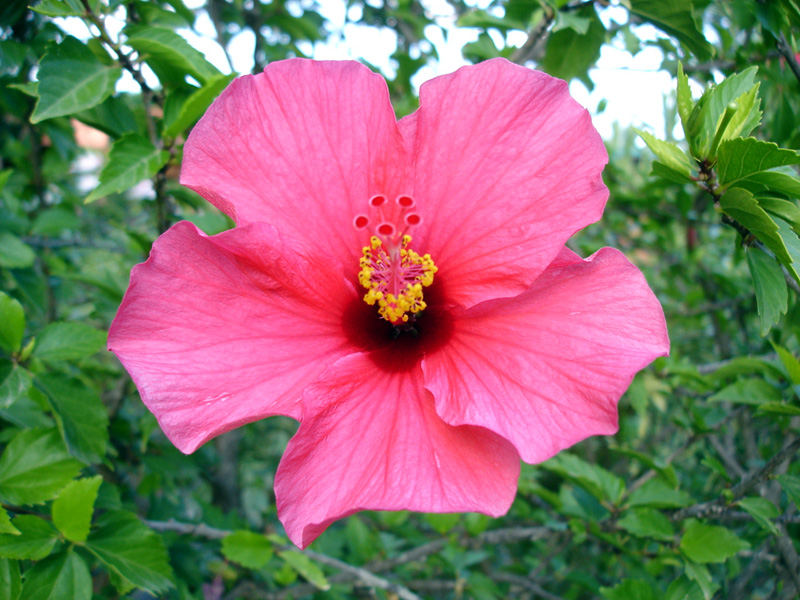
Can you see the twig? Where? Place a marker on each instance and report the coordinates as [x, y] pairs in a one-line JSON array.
[[532, 48], [786, 52], [527, 584]]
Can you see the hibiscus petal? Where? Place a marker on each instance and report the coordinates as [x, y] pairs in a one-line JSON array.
[[508, 167], [302, 146], [377, 444], [546, 369], [224, 330]]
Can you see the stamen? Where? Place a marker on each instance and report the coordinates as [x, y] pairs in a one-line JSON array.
[[361, 222]]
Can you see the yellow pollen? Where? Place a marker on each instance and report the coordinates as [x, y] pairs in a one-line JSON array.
[[394, 279]]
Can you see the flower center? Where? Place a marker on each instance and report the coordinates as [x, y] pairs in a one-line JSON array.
[[392, 273]]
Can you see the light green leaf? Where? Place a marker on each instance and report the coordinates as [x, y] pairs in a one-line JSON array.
[[442, 522], [12, 323], [753, 391], [743, 206], [132, 159], [647, 523], [16, 405], [14, 253], [570, 54], [247, 548], [658, 494], [741, 157], [71, 79], [779, 408], [486, 20], [195, 105], [675, 18], [670, 155], [80, 415], [772, 296], [599, 482], [778, 180], [790, 363], [702, 577], [790, 485], [10, 580], [64, 575], [34, 467], [762, 510], [169, 55], [710, 543], [73, 507], [629, 589], [792, 244], [68, 341], [131, 550], [6, 526], [684, 588], [54, 220], [307, 569], [59, 8], [34, 541], [784, 209]]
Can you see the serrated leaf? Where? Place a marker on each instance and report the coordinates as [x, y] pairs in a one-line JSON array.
[[12, 323], [247, 548], [670, 155], [34, 467], [14, 253], [132, 159], [6, 526], [34, 541], [307, 569], [675, 18], [64, 575], [80, 415], [71, 79], [170, 56], [772, 296], [790, 485], [762, 510], [73, 507], [68, 341], [570, 54], [657, 493], [599, 482], [10, 580], [784, 209], [647, 523], [743, 206], [131, 550], [774, 181], [740, 157], [196, 104], [703, 543], [746, 115]]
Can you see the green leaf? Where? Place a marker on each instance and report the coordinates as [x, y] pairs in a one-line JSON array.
[[132, 159], [68, 341], [570, 54], [12, 323], [73, 507], [629, 589], [772, 296], [670, 155], [6, 526], [14, 253], [675, 18], [170, 56], [16, 404], [195, 105], [658, 494], [741, 205], [307, 569], [34, 541], [80, 415], [784, 209], [702, 577], [774, 181], [741, 157], [753, 391], [10, 580], [710, 543], [599, 482], [131, 550], [247, 548], [54, 220], [64, 575], [71, 79], [762, 510], [486, 20], [790, 363], [790, 485], [792, 244], [34, 467], [59, 8], [779, 408], [684, 588], [647, 523]]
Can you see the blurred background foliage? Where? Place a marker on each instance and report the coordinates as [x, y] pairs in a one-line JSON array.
[[697, 496]]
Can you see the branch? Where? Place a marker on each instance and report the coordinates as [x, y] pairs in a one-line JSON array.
[[786, 52]]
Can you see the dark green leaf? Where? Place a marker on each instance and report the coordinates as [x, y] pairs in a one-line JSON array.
[[647, 523], [132, 159], [73, 507], [131, 550], [59, 8], [629, 589], [68, 341], [12, 323], [196, 104], [753, 391], [35, 540], [80, 414], [791, 485], [684, 588], [570, 54], [14, 253], [71, 79], [741, 157], [775, 181], [34, 467], [58, 577], [772, 295], [700, 574], [599, 482], [52, 221], [675, 18], [16, 405], [710, 543], [790, 363], [784, 209], [247, 548], [762, 510], [658, 494], [779, 408], [10, 580], [743, 206]]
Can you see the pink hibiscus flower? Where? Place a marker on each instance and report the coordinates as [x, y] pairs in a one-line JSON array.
[[401, 288]]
